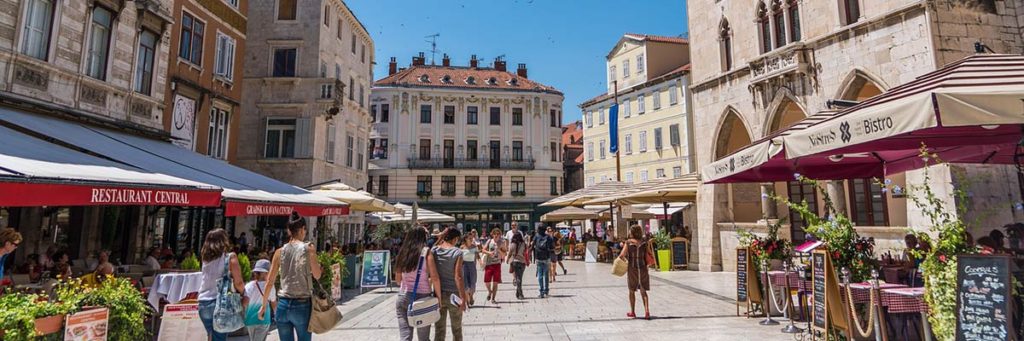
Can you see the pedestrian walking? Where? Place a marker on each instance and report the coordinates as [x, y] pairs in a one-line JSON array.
[[407, 268], [516, 259], [258, 327], [216, 252], [470, 257], [297, 264], [543, 248], [556, 259], [634, 252], [448, 260], [493, 250]]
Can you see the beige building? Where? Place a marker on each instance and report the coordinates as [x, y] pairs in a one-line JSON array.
[[479, 143], [305, 104], [761, 65]]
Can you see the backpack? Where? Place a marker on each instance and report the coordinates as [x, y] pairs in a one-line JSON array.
[[542, 248]]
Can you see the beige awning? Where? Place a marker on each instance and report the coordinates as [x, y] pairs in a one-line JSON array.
[[356, 199], [569, 213], [681, 189], [405, 214], [579, 197]]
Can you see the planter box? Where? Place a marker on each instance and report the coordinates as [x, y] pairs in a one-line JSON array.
[[49, 324], [664, 260]]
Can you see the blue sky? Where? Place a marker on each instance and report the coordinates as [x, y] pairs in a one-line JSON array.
[[563, 42]]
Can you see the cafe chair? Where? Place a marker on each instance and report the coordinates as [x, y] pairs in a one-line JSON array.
[[20, 279]]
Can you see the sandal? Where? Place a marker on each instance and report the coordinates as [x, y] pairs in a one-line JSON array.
[[647, 316], [631, 315]]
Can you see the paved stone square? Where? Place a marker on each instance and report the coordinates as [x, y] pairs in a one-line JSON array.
[[587, 304]]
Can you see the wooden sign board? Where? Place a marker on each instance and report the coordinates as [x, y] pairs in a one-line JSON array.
[[819, 280], [984, 298], [680, 252], [741, 275], [89, 325]]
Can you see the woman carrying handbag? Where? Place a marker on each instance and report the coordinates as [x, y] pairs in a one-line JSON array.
[[220, 307], [634, 252], [416, 274], [297, 264]]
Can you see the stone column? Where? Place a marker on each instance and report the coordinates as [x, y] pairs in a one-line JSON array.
[[837, 192], [769, 209]]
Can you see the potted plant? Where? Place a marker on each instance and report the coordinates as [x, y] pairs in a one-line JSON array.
[[770, 248], [127, 309], [190, 263], [663, 249], [327, 259], [28, 316]]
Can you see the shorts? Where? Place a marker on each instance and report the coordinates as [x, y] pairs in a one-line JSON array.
[[492, 273]]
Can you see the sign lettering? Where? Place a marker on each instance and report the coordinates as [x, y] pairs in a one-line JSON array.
[[984, 298], [137, 196]]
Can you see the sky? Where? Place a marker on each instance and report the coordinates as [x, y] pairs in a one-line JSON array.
[[562, 42]]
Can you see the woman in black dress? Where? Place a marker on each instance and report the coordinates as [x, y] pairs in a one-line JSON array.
[[635, 251]]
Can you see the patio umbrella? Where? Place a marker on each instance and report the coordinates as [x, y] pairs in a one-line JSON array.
[[569, 213], [578, 197], [408, 213], [357, 200], [657, 191]]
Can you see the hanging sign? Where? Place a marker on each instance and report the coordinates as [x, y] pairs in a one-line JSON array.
[[183, 122]]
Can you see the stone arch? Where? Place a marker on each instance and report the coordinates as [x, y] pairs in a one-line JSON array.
[[784, 111], [860, 85], [732, 134]]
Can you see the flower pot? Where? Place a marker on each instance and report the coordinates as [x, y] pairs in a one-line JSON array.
[[664, 260], [49, 324]]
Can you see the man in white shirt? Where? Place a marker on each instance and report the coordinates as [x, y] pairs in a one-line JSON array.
[[152, 261], [508, 234]]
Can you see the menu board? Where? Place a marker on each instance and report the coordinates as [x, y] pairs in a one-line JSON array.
[[818, 278], [679, 252], [741, 275], [181, 322], [89, 325], [376, 268], [983, 300]]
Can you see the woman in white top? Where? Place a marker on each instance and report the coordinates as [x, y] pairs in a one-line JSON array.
[[470, 252], [216, 250]]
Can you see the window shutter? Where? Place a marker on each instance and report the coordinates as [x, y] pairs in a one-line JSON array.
[[303, 138]]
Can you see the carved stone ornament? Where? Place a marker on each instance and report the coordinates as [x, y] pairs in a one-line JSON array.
[[141, 109], [93, 95], [31, 77]]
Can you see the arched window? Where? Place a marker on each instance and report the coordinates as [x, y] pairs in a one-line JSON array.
[[764, 27], [779, 21], [725, 44], [794, 20]]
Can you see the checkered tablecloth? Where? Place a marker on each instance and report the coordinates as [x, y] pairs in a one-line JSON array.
[[779, 280], [904, 300], [861, 292]]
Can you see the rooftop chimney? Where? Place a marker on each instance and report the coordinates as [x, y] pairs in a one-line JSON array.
[[418, 60], [499, 64], [472, 61], [445, 61], [521, 71], [392, 66]]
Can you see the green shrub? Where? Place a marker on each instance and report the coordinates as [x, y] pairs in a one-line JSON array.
[[127, 309], [18, 313], [190, 263], [243, 262], [662, 240], [326, 259]]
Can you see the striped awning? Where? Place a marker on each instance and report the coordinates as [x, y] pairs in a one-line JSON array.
[[581, 196], [681, 189]]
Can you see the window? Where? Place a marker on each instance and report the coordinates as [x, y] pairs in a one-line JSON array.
[[517, 116], [449, 114], [353, 43], [340, 30], [385, 112], [495, 147], [600, 116], [471, 115], [640, 104], [554, 151], [554, 185], [657, 138], [382, 185], [448, 185], [611, 72], [553, 118], [351, 89], [656, 99], [144, 65], [495, 116], [448, 155], [362, 53], [624, 107], [677, 171], [494, 185], [373, 113], [629, 177], [323, 69], [517, 150], [625, 68], [217, 137], [424, 185], [764, 28], [640, 64], [190, 47], [673, 135], [224, 66], [369, 184], [327, 15], [779, 18], [362, 96], [868, 203], [800, 192], [602, 149], [590, 119], [284, 62], [725, 45], [381, 152], [286, 9], [425, 113], [38, 28], [629, 144], [471, 150], [472, 186], [280, 138], [329, 151], [794, 20], [425, 149], [643, 141], [99, 43], [337, 71], [850, 11], [518, 186], [643, 175], [673, 95], [590, 151], [349, 145], [659, 173]]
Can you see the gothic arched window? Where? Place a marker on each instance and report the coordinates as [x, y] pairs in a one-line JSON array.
[[764, 28], [725, 44], [794, 20], [779, 18]]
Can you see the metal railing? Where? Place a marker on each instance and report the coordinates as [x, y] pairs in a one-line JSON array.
[[441, 163]]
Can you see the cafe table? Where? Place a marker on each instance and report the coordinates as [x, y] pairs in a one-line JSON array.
[[908, 300], [174, 287], [861, 292]]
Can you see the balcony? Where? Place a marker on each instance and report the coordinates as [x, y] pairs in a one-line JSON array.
[[788, 60], [435, 163]]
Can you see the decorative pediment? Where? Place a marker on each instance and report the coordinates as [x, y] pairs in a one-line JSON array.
[[153, 15]]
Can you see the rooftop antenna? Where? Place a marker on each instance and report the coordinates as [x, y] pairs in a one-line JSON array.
[[433, 46]]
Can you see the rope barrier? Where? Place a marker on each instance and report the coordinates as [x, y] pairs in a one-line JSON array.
[[856, 317]]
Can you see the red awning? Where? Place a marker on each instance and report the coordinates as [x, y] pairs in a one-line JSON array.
[[26, 194], [241, 209]]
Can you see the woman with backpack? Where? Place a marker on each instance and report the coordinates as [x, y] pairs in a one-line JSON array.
[[517, 261], [448, 258], [634, 252], [219, 263], [416, 276], [297, 264]]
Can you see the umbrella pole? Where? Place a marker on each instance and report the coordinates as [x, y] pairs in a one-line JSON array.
[[664, 207]]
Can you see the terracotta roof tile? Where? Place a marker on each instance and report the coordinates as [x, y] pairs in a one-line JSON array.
[[572, 132], [458, 77]]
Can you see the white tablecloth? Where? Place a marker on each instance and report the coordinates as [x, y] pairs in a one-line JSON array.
[[174, 287]]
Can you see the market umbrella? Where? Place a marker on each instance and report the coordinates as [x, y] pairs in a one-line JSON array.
[[357, 200], [406, 213], [579, 197], [679, 189], [569, 213]]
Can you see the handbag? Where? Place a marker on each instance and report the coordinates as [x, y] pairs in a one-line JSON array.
[[651, 262], [424, 311], [324, 315], [227, 312], [619, 267]]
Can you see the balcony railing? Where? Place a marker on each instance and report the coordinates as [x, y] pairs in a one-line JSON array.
[[440, 163]]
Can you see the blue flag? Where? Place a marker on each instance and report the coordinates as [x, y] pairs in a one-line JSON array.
[[613, 128]]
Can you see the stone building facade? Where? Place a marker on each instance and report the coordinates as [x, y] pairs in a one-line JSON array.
[[761, 65], [305, 101], [572, 156], [482, 144]]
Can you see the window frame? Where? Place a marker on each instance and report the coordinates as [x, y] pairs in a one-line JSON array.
[[472, 150], [656, 99], [294, 10], [517, 150], [331, 147], [673, 95], [495, 116], [868, 187], [382, 185], [146, 55], [448, 185], [45, 34], [102, 57], [642, 139], [658, 144], [350, 147], [424, 185], [494, 184], [285, 64], [282, 129], [554, 185], [449, 114], [673, 135], [640, 104], [472, 115], [628, 143], [194, 50], [424, 150], [472, 186], [517, 117], [518, 186], [601, 149], [426, 113], [225, 53], [385, 112], [218, 135]]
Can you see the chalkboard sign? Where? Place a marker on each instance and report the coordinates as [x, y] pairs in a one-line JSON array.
[[741, 275], [983, 300], [818, 278], [376, 269], [680, 248]]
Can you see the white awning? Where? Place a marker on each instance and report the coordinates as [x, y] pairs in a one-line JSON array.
[[659, 210], [404, 213]]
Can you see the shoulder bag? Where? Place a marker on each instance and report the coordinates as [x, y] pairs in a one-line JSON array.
[[324, 316], [648, 257], [227, 311], [619, 266], [424, 311]]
